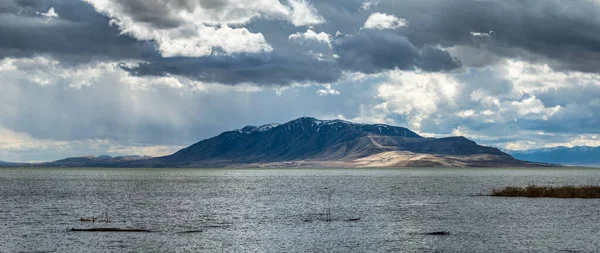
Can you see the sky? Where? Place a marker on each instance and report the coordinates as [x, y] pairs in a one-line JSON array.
[[148, 77]]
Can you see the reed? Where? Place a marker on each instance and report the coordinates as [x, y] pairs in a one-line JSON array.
[[534, 191]]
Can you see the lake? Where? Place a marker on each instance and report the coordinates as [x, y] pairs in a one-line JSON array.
[[293, 210]]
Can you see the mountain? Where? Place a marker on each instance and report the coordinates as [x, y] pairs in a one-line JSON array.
[[309, 142], [579, 155]]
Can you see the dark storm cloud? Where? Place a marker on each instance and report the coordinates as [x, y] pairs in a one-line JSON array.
[[79, 34], [159, 13], [562, 34], [262, 69], [372, 52], [563, 31], [165, 14]]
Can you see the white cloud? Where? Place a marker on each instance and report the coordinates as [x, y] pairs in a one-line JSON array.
[[196, 40], [383, 21], [478, 34], [529, 78], [204, 27], [368, 4], [49, 15], [230, 40], [311, 35], [530, 108], [416, 95], [466, 113], [327, 90], [449, 103], [527, 84], [304, 14]]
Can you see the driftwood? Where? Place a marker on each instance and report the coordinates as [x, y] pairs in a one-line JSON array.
[[109, 230], [190, 232], [438, 233]]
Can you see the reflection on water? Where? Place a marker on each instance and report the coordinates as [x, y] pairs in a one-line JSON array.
[[286, 211]]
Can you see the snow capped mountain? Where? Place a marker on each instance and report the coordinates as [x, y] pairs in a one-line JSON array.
[[310, 139], [316, 125], [251, 129]]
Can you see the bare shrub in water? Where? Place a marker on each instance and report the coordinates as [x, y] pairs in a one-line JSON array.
[[534, 191]]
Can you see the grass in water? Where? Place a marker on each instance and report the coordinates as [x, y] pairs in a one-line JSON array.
[[534, 191]]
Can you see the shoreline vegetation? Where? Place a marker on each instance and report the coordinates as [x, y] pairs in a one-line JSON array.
[[535, 191]]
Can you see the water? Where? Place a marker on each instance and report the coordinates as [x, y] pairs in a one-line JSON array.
[[286, 211]]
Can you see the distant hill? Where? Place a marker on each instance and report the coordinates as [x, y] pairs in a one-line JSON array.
[[95, 161], [579, 155], [9, 164]]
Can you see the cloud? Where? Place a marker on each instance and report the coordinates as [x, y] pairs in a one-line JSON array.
[[536, 31], [210, 39], [473, 56], [478, 34], [186, 33], [506, 103], [304, 14], [416, 95], [375, 51], [311, 35], [327, 90], [368, 4], [268, 70], [202, 28], [531, 107], [384, 21], [466, 113], [49, 15], [80, 35], [173, 14]]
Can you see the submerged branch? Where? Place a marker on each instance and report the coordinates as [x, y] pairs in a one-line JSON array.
[[109, 230]]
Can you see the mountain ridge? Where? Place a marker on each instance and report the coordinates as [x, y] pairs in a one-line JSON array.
[[577, 155], [97, 161]]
